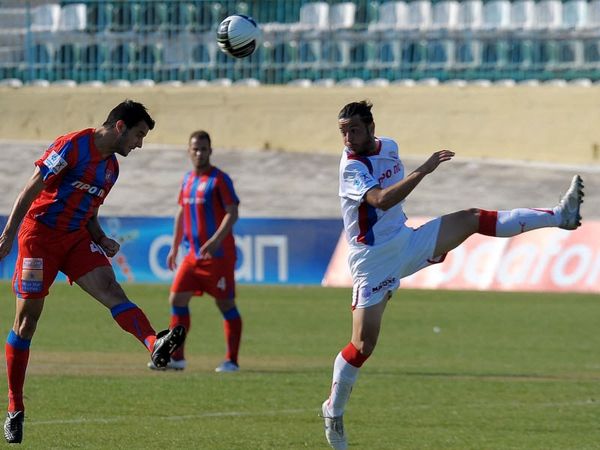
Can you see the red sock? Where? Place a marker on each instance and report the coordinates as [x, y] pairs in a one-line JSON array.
[[180, 315], [134, 321], [487, 222], [352, 356], [232, 326], [17, 357]]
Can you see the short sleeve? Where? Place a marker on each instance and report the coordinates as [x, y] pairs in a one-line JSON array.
[[227, 191], [55, 160], [356, 180]]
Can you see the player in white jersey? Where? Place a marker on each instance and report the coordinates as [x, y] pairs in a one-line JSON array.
[[383, 249]]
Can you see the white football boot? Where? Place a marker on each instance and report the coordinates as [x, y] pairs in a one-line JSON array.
[[568, 207], [227, 366], [334, 429]]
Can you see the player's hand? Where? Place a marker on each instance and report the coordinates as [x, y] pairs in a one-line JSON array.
[[110, 246], [5, 245], [172, 259], [209, 249], [435, 160]]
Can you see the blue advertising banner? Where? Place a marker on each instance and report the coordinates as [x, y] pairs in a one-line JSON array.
[[269, 251]]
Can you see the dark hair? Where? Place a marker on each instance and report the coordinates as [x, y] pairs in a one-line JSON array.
[[362, 109], [200, 134], [129, 112]]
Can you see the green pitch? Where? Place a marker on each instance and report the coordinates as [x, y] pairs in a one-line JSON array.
[[500, 371]]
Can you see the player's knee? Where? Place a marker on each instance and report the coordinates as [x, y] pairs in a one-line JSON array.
[[471, 218]]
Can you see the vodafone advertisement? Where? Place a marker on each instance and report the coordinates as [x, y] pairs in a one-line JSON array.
[[548, 259]]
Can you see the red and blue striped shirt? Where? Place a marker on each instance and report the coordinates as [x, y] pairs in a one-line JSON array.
[[203, 198], [77, 179]]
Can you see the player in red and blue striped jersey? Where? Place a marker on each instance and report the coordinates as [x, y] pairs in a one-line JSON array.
[[208, 209], [60, 231]]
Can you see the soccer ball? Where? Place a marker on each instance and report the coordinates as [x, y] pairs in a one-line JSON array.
[[238, 35]]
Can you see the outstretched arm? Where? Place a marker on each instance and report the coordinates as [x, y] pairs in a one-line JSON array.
[[24, 200], [394, 194]]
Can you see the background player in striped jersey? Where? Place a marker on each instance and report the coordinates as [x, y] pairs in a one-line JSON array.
[[208, 208], [383, 249], [60, 230]]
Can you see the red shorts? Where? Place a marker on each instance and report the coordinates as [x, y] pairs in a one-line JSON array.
[[214, 276], [44, 251]]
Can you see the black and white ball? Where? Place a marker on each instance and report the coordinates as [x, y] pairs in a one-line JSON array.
[[238, 35]]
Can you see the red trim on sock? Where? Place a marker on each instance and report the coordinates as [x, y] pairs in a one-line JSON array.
[[16, 366], [134, 321], [352, 356], [487, 222]]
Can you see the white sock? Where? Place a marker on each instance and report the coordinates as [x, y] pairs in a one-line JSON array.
[[517, 221], [344, 377]]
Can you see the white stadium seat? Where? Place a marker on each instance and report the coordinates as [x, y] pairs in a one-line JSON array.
[[45, 18], [574, 14], [445, 14], [73, 17], [548, 14], [470, 14], [522, 14], [496, 14]]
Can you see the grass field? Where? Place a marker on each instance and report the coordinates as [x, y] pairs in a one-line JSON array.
[[506, 371]]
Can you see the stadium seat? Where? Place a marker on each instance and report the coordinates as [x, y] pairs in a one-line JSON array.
[[122, 16], [574, 14], [591, 53], [419, 14], [180, 16], [522, 14], [440, 54], [496, 15], [548, 14], [341, 16], [73, 17], [45, 18], [94, 59], [445, 14], [66, 62], [313, 16], [467, 54], [570, 54], [150, 17], [593, 14], [470, 14], [391, 15]]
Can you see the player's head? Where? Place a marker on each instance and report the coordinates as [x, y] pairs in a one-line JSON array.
[[357, 127], [131, 123], [200, 149]]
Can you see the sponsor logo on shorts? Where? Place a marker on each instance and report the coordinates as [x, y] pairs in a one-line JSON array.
[[32, 279], [387, 283], [365, 292], [94, 190], [33, 263], [55, 162]]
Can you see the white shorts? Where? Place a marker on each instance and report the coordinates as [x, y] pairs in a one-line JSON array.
[[378, 270]]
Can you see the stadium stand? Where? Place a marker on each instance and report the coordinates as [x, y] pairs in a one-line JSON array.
[[103, 40]]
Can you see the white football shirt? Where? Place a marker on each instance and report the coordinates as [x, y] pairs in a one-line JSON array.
[[364, 224]]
